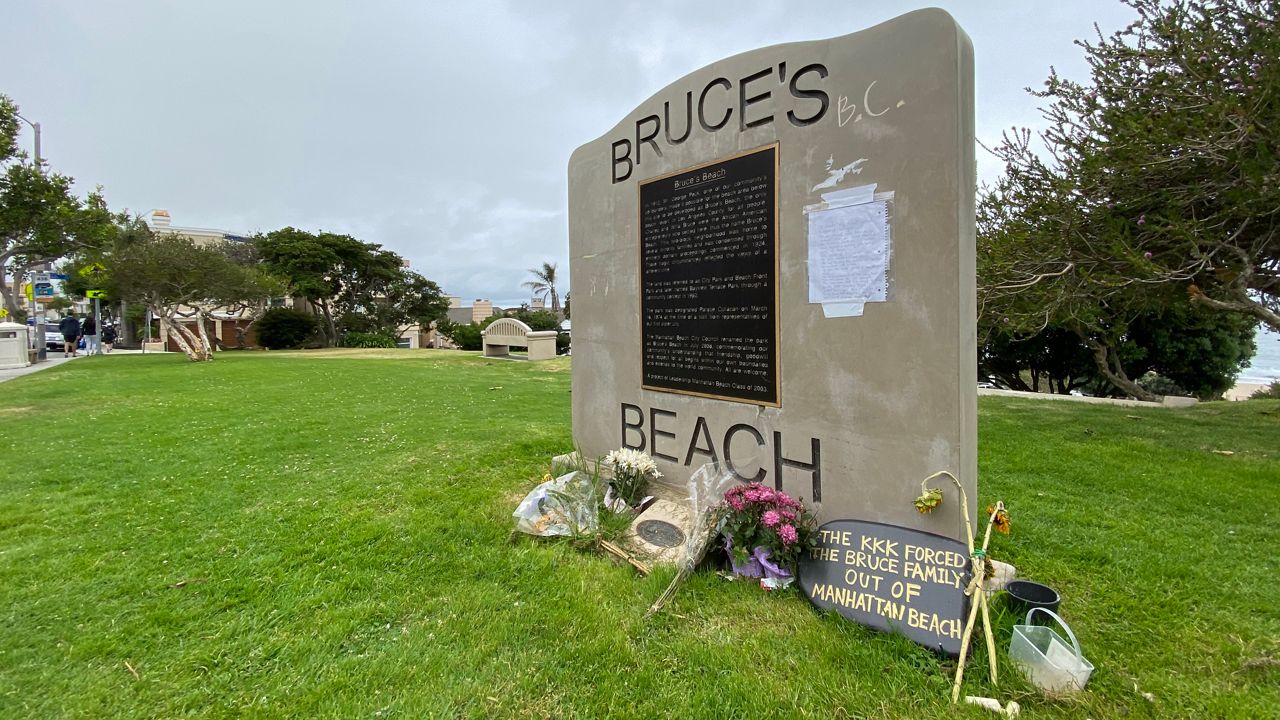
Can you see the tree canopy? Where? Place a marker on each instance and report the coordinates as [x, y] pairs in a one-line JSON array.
[[354, 286], [40, 219], [178, 279], [1157, 183]]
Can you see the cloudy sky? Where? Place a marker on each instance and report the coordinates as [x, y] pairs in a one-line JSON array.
[[442, 134]]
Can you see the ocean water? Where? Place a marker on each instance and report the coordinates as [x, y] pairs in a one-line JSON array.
[[1265, 366]]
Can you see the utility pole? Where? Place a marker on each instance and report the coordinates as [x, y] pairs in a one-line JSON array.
[[37, 324]]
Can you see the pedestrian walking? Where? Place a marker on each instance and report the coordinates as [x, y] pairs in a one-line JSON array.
[[108, 337], [69, 326], [90, 332]]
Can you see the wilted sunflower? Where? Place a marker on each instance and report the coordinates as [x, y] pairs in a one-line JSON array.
[[1001, 518], [931, 499]]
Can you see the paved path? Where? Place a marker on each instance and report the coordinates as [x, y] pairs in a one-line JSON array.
[[55, 358]]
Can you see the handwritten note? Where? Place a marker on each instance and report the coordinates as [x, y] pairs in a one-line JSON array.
[[849, 253]]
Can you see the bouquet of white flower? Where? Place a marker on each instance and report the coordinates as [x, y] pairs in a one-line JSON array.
[[632, 471]]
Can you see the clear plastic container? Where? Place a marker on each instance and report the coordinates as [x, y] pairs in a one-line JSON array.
[[1052, 665]]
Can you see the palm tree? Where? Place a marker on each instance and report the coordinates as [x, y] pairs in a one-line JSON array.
[[544, 283]]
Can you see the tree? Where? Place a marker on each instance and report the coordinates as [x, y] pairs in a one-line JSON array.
[[354, 286], [1157, 173], [1199, 349], [311, 265], [392, 304], [40, 220], [544, 284], [1195, 349], [177, 279]]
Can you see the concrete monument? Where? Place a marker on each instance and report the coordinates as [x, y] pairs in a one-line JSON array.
[[773, 267]]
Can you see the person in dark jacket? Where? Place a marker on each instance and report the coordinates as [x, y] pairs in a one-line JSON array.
[[89, 331], [69, 326], [108, 337]]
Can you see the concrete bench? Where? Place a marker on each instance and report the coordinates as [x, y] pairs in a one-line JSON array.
[[505, 333]]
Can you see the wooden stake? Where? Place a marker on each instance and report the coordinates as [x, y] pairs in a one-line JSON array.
[[979, 599], [619, 552]]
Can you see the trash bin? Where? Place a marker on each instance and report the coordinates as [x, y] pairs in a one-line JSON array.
[[13, 346]]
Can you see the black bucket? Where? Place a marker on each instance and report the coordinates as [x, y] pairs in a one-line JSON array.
[[1024, 595]]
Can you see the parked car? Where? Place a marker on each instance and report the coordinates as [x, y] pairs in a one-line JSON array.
[[52, 337]]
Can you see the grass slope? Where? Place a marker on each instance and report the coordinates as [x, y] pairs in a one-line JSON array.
[[325, 535]]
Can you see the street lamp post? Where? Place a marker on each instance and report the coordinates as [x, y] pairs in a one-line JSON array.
[[38, 337]]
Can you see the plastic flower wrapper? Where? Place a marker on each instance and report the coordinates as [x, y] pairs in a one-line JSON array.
[[565, 506], [706, 488]]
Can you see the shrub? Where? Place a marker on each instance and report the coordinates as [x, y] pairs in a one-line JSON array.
[[1161, 385], [369, 340], [285, 328], [466, 337], [1269, 392]]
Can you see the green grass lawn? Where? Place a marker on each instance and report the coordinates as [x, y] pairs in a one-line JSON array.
[[325, 535]]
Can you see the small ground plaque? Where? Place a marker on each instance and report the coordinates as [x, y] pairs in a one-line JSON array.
[[657, 536], [660, 533], [892, 579]]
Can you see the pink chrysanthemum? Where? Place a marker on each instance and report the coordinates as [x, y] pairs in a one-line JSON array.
[[788, 534], [771, 518]]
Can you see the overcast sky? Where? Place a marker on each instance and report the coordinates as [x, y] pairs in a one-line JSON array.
[[440, 133]]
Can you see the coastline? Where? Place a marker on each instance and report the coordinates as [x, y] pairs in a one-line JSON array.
[[1242, 391]]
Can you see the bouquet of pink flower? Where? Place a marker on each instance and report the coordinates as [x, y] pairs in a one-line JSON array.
[[765, 531]]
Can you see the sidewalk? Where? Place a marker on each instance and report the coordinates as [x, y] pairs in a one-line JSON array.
[[55, 358], [35, 367]]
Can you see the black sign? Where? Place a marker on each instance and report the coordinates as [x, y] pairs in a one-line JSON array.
[[708, 279], [892, 579]]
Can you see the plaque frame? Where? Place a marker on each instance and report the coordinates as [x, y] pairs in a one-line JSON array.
[[776, 269]]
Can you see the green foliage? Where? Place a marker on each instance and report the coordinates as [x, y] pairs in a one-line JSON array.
[[1053, 354], [1195, 348], [9, 128], [544, 284], [41, 220], [1176, 348], [286, 329], [369, 340], [358, 287], [465, 336], [1158, 181], [1270, 392], [171, 273]]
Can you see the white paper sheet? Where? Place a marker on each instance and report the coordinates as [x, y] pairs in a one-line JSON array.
[[851, 196], [841, 309], [849, 253]]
